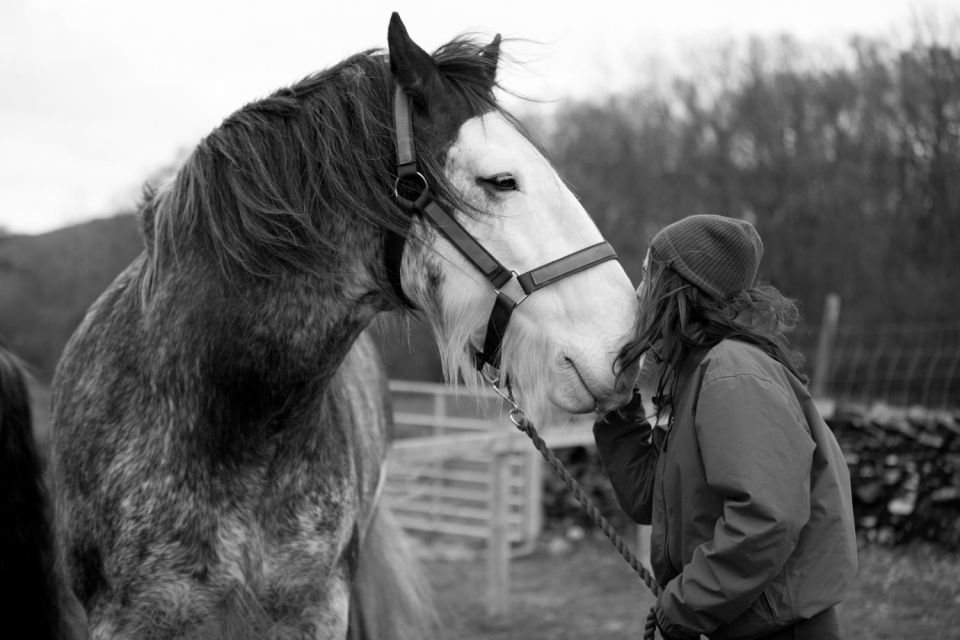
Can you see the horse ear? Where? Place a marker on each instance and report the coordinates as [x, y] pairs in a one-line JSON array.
[[491, 55], [413, 67]]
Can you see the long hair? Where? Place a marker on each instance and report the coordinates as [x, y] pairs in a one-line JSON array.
[[678, 320]]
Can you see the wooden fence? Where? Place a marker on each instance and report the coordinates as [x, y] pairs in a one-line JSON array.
[[471, 476]]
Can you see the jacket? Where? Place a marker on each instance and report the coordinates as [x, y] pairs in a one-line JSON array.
[[748, 493]]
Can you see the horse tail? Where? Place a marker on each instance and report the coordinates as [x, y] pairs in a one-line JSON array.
[[391, 597], [32, 593]]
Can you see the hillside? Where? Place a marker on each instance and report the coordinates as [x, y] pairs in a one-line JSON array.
[[48, 281]]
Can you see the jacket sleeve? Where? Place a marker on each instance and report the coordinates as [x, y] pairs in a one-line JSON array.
[[756, 453], [629, 458]]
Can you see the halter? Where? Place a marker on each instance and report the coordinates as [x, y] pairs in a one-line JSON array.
[[511, 288]]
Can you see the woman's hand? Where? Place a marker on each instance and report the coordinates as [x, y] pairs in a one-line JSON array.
[[631, 413]]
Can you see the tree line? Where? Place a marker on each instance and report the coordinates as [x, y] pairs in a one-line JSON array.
[[850, 169]]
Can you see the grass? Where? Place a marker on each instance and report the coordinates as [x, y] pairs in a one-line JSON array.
[[909, 592], [589, 592]]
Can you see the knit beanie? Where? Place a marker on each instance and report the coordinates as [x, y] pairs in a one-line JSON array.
[[717, 254]]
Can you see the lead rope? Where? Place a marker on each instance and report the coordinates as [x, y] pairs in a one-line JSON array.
[[521, 422]]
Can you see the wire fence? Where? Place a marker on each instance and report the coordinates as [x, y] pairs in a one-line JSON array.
[[898, 364]]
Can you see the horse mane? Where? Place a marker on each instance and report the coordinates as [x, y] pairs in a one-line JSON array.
[[263, 191]]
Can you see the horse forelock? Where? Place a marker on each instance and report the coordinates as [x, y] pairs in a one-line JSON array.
[[277, 184]]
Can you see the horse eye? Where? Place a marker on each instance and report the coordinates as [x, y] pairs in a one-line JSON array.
[[502, 182]]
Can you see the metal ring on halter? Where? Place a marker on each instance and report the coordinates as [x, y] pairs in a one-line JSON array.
[[505, 395], [493, 381], [404, 201], [517, 416]]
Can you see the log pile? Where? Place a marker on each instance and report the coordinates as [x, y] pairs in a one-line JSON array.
[[905, 471]]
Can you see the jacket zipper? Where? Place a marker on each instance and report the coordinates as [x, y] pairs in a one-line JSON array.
[[661, 465]]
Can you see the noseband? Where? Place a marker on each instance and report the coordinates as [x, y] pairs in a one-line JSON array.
[[511, 288]]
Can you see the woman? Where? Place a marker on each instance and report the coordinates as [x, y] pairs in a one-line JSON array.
[[744, 484]]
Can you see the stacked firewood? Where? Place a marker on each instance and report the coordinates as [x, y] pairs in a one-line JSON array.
[[905, 471]]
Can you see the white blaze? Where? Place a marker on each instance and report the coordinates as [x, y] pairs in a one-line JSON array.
[[563, 340]]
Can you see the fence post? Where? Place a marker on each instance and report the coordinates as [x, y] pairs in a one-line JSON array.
[[533, 500], [825, 343], [498, 546]]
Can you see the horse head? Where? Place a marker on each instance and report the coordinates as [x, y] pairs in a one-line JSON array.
[[560, 348]]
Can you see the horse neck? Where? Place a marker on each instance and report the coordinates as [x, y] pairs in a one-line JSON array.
[[257, 351]]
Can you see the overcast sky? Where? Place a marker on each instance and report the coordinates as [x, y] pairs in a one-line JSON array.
[[97, 94]]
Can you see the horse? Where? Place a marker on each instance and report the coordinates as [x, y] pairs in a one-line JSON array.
[[32, 599], [221, 416]]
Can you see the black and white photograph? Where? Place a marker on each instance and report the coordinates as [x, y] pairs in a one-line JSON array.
[[479, 321]]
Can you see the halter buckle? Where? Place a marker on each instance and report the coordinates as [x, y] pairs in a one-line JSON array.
[[513, 289]]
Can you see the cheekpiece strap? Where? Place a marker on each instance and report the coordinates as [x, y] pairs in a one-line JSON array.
[[406, 156]]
